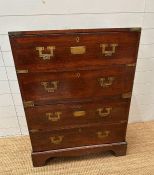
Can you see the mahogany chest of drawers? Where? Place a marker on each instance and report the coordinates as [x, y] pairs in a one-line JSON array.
[[76, 88]]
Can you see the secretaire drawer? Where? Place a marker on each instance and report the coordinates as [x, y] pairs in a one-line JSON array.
[[73, 50], [91, 135], [107, 81], [50, 117]]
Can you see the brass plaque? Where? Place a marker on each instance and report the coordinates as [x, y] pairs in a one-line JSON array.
[[78, 50], [79, 113]]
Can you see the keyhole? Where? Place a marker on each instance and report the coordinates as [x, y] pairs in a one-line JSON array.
[[77, 39], [80, 130]]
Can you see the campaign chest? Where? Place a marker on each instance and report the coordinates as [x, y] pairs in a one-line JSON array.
[[76, 87]]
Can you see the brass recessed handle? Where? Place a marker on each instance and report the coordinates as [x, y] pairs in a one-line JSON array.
[[104, 112], [78, 50], [108, 52], [106, 81], [50, 86], [48, 49], [56, 139], [53, 116], [102, 134]]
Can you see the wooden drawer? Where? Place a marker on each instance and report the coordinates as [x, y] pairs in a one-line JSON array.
[[69, 50], [90, 135], [46, 87], [58, 116]]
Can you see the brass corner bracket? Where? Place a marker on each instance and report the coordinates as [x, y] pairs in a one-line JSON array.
[[28, 104], [135, 29], [22, 71], [127, 95]]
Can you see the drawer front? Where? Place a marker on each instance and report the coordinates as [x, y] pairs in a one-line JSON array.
[[73, 50], [75, 85], [51, 117], [96, 134]]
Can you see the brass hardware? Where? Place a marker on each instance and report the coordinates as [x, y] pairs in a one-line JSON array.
[[131, 65], [106, 81], [53, 116], [135, 29], [123, 121], [22, 71], [127, 95], [56, 139], [77, 39], [28, 104], [77, 50], [102, 135], [34, 130], [46, 56], [108, 52], [50, 86], [80, 130], [103, 112], [79, 113], [15, 34]]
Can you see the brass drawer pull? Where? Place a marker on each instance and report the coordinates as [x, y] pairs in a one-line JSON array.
[[56, 139], [78, 50], [79, 113], [104, 112], [53, 116], [108, 52], [48, 55], [103, 134], [106, 81], [50, 86]]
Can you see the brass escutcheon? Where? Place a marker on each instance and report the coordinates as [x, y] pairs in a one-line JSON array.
[[77, 39], [80, 130]]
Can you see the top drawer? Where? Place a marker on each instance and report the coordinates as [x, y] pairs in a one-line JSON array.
[[40, 51]]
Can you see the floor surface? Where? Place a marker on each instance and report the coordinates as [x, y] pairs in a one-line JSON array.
[[15, 157]]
